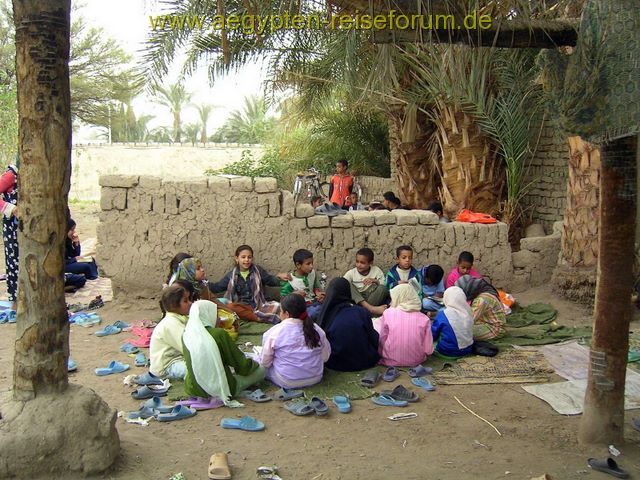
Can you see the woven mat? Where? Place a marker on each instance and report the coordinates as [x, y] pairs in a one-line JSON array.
[[512, 366]]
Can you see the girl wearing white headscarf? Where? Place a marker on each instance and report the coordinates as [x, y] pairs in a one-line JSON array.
[[452, 328], [209, 352], [405, 333]]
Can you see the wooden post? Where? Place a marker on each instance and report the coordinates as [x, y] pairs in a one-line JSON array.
[[603, 418]]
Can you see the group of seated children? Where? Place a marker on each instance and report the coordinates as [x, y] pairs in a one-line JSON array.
[[77, 269], [315, 329]]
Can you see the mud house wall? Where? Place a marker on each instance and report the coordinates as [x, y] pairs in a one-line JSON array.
[[146, 220]]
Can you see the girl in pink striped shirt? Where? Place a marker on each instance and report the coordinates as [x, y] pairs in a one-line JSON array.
[[405, 333]]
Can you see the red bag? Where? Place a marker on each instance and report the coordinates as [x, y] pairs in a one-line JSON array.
[[466, 215]]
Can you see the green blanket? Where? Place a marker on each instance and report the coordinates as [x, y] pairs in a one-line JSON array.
[[535, 325]]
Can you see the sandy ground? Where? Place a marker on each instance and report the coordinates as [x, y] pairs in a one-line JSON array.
[[443, 442]]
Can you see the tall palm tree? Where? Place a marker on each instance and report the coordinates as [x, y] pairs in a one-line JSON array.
[[204, 111], [174, 97]]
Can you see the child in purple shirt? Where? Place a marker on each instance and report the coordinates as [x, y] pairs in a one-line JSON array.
[[294, 351]]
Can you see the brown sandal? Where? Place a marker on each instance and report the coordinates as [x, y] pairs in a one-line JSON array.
[[219, 467]]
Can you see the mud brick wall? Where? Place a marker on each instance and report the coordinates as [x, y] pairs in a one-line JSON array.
[[146, 220], [549, 171]]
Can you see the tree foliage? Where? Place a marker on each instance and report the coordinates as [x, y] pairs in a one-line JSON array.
[[174, 97], [251, 124]]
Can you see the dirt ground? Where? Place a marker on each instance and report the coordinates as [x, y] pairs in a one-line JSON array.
[[444, 442]]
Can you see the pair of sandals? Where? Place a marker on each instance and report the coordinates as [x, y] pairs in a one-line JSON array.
[[398, 397], [301, 409]]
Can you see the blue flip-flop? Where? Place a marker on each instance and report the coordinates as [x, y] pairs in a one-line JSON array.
[[246, 423], [390, 374], [72, 366], [148, 379], [420, 371], [287, 394], [140, 360], [257, 396], [128, 348], [178, 412], [343, 403], [12, 316], [121, 325], [299, 409], [144, 413], [388, 401], [145, 392], [86, 319], [114, 367], [156, 404], [8, 316], [108, 330], [423, 383]]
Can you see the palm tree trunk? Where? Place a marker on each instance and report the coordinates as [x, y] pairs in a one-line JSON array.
[[203, 135], [574, 277], [411, 157], [42, 55], [471, 175], [177, 127], [38, 434], [603, 419]]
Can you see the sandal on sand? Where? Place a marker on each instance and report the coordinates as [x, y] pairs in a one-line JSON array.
[[390, 374], [287, 394], [401, 393], [370, 378], [423, 383], [319, 406], [246, 423], [388, 401], [147, 392], [343, 403], [178, 412], [607, 466], [257, 396], [148, 379], [420, 371], [300, 409], [219, 467]]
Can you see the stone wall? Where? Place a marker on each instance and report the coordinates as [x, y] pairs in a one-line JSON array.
[[374, 187], [89, 162], [548, 171], [536, 260], [146, 220]]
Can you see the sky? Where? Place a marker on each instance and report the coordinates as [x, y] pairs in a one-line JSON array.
[[127, 21]]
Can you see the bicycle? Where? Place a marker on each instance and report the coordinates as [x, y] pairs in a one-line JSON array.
[[309, 183]]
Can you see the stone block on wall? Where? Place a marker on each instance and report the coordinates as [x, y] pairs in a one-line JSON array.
[[362, 218], [123, 181], [304, 210], [288, 204], [149, 182], [106, 198], [171, 204], [427, 217], [241, 184], [318, 221], [219, 185], [383, 217], [119, 198], [266, 185], [342, 221], [405, 217]]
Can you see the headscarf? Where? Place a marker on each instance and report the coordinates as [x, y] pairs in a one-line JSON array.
[[338, 297], [404, 297], [459, 314], [187, 271], [472, 287], [206, 362]]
